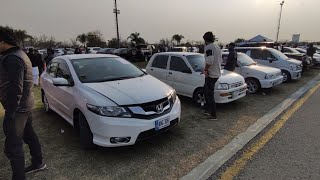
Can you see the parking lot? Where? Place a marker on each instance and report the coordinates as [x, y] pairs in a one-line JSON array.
[[192, 141]]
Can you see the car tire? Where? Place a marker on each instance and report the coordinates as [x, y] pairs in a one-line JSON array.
[[286, 76], [253, 85], [46, 103], [85, 134], [198, 97]]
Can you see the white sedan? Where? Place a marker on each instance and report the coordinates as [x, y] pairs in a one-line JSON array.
[[183, 72], [256, 76], [110, 101]]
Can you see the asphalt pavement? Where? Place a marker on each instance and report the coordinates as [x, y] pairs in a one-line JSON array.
[[294, 152]]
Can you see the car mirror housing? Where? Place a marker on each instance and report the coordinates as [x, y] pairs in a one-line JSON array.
[[60, 82]]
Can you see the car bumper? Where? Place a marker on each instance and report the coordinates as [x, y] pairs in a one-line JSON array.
[[104, 129], [296, 74], [226, 96], [269, 83]]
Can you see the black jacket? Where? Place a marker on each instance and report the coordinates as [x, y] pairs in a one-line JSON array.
[[232, 61], [16, 81]]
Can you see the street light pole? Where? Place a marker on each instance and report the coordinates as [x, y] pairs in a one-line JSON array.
[[116, 12], [281, 4]]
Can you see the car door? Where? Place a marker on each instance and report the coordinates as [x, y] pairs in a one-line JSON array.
[[179, 76], [158, 68], [65, 94]]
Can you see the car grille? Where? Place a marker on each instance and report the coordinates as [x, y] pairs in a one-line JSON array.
[[149, 110], [152, 132], [235, 85]]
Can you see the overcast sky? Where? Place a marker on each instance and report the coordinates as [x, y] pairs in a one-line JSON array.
[[156, 19]]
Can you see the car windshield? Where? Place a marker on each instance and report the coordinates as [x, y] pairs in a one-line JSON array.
[[245, 60], [293, 50], [301, 50], [279, 54], [197, 62], [93, 70]]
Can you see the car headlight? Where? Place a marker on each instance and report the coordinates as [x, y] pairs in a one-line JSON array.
[[223, 86], [269, 76], [173, 97], [109, 111], [293, 67]]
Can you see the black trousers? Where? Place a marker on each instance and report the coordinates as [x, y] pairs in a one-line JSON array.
[[209, 95], [18, 128]]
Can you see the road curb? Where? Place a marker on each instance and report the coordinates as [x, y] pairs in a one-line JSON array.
[[215, 161]]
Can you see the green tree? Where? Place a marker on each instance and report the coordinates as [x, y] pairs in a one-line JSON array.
[[82, 38], [136, 39], [22, 36], [95, 38], [177, 38], [238, 40]]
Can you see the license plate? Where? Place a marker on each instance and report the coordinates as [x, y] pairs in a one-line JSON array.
[[162, 123], [235, 94]]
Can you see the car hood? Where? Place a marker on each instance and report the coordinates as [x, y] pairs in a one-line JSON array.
[[132, 91], [230, 77], [264, 69], [294, 61]]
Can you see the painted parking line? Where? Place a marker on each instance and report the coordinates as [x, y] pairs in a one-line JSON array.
[[240, 163]]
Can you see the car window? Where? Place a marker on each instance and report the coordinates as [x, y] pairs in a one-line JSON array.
[[262, 54], [178, 64], [285, 50], [94, 70], [52, 69], [197, 62], [160, 61], [63, 70]]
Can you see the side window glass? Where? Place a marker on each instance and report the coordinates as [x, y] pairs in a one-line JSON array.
[[63, 70], [266, 55], [256, 54], [178, 64], [160, 61], [52, 69]]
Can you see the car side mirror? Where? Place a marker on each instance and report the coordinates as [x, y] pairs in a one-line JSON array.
[[60, 82], [144, 70]]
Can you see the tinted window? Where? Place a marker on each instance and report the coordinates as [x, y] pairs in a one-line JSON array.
[[93, 70], [160, 61], [178, 64], [63, 70]]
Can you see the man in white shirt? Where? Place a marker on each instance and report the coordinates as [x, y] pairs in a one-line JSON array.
[[212, 71]]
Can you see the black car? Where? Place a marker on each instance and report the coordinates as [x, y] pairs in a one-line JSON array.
[[294, 54]]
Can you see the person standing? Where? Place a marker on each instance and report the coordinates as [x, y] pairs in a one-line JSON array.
[[17, 99], [232, 58], [311, 51], [50, 56], [212, 72], [35, 68]]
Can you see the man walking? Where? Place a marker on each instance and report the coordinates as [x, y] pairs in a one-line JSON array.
[[17, 99], [232, 58], [311, 51], [212, 71]]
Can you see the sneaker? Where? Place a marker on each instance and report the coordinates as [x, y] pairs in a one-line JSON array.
[[206, 113], [34, 168], [211, 118]]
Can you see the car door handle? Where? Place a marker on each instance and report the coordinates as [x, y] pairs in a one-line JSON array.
[[170, 72]]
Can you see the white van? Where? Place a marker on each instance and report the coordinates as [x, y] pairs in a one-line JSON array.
[[183, 72], [291, 68], [256, 76]]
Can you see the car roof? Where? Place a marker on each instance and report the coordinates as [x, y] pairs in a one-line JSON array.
[[253, 48], [226, 53], [88, 56], [178, 53]]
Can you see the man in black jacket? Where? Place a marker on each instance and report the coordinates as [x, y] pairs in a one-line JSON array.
[[17, 99], [232, 58]]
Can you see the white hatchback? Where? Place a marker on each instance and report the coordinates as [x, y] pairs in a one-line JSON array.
[[111, 102], [183, 72], [256, 76]]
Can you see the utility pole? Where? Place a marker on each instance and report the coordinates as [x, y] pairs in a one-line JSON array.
[[116, 12], [281, 4]]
